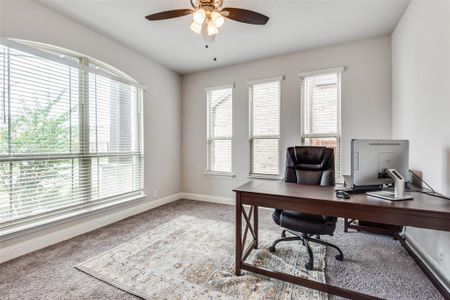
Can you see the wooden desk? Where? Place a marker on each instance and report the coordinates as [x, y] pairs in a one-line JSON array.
[[424, 211]]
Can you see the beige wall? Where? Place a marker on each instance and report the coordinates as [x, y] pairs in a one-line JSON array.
[[366, 105], [421, 107]]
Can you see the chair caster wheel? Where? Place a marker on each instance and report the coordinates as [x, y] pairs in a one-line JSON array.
[[272, 249], [339, 257], [309, 266]]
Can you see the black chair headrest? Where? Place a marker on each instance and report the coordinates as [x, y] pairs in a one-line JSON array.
[[310, 158], [310, 165]]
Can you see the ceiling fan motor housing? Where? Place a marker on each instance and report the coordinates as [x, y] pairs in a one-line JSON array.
[[207, 4]]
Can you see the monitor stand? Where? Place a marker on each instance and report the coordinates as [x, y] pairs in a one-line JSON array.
[[350, 188], [388, 195], [399, 188], [365, 188]]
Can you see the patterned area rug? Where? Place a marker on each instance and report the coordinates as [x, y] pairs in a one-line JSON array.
[[191, 258]]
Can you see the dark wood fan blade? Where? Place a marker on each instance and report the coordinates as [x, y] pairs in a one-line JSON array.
[[245, 16], [170, 14]]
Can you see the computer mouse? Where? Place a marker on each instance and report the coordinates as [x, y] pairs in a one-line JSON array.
[[342, 195]]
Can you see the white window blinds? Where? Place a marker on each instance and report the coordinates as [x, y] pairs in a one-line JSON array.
[[320, 99], [264, 103], [220, 128], [68, 137]]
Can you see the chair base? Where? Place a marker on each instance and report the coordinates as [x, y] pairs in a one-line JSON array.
[[305, 239]]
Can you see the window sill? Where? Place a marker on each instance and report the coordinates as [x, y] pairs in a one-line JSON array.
[[219, 174], [24, 227], [265, 177]]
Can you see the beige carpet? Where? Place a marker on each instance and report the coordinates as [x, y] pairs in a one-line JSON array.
[[193, 258], [373, 264]]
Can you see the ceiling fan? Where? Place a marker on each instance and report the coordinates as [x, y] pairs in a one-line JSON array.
[[209, 16]]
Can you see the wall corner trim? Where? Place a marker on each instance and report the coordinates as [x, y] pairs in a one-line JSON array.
[[45, 240], [219, 87], [33, 244], [208, 198], [59, 235], [429, 264], [307, 73], [266, 80]]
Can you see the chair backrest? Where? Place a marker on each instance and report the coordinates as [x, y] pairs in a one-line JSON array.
[[310, 165]]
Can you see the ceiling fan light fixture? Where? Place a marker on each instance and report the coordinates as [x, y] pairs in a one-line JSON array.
[[195, 27], [212, 29], [209, 16], [199, 16], [217, 18]]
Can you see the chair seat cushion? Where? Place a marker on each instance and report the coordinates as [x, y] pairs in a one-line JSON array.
[[303, 222]]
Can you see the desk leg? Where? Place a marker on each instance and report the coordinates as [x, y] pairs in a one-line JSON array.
[[255, 225], [238, 234]]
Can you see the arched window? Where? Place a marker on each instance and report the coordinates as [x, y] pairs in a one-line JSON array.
[[70, 129]]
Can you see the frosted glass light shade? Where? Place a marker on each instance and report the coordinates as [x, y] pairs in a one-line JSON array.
[[217, 18], [212, 29], [195, 27], [199, 16]]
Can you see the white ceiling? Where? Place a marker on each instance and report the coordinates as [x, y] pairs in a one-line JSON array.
[[293, 26]]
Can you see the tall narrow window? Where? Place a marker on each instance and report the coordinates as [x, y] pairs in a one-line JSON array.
[[69, 134], [320, 106], [264, 100], [220, 128]]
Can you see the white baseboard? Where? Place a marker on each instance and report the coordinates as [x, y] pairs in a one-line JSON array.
[[208, 198], [429, 262], [213, 199], [33, 244]]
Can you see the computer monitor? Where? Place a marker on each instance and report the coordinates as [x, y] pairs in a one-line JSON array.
[[371, 158]]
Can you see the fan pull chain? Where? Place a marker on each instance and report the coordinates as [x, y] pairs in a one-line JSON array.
[[207, 46]]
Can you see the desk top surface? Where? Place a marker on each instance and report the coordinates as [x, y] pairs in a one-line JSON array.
[[421, 201]]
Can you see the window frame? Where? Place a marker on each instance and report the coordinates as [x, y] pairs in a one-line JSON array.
[[209, 139], [338, 134], [23, 224], [253, 137]]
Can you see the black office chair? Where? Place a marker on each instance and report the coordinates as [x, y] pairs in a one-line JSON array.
[[307, 165]]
